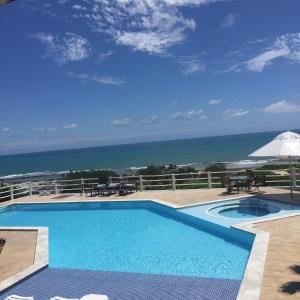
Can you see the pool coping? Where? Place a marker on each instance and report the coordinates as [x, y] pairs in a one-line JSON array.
[[250, 283], [40, 255]]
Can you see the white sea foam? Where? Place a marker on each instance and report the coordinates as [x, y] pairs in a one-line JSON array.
[[249, 163]]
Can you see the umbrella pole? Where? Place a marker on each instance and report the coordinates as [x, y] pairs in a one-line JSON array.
[[291, 181]]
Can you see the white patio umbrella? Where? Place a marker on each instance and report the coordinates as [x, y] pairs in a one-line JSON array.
[[286, 145]]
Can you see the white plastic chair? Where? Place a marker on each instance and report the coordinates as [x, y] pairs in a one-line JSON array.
[[62, 298], [94, 297], [86, 297], [16, 297]]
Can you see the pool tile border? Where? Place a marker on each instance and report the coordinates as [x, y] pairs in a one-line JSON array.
[[40, 256], [253, 275]]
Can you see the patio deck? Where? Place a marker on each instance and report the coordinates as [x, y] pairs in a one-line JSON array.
[[18, 252], [280, 280]]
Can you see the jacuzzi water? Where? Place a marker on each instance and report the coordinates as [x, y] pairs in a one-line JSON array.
[[244, 212], [141, 237]]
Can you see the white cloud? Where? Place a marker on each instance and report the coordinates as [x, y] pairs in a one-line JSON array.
[[70, 126], [151, 26], [233, 113], [79, 7], [184, 116], [6, 129], [104, 55], [122, 122], [286, 46], [283, 106], [44, 129], [228, 21], [64, 48], [258, 63], [191, 64], [106, 80], [214, 101], [149, 119], [152, 42], [261, 53]]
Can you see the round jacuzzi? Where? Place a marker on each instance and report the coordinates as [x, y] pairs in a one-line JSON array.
[[239, 210]]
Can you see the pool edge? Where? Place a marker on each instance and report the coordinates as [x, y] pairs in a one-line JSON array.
[[252, 280]]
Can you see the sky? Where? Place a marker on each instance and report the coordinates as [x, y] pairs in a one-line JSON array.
[[100, 72]]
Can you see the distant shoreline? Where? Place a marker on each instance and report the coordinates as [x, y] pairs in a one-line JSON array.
[[49, 175], [198, 152]]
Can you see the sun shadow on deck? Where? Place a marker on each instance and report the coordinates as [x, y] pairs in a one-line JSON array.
[[292, 287], [117, 285], [2, 243]]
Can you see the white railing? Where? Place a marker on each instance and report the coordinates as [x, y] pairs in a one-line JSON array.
[[173, 181]]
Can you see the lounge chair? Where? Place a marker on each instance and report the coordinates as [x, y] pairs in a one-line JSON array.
[[87, 297], [98, 189], [62, 298], [94, 297], [16, 297], [112, 188], [126, 188]]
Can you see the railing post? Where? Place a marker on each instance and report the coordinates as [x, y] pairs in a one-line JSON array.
[[30, 188], [82, 186], [141, 183], [209, 179], [55, 187], [11, 192], [173, 182], [294, 177]]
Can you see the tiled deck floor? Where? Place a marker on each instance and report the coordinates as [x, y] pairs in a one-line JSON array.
[[122, 286], [281, 278], [176, 198], [18, 252]]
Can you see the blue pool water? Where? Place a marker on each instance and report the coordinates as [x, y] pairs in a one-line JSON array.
[[138, 237]]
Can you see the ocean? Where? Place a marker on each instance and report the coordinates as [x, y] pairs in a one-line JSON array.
[[230, 148]]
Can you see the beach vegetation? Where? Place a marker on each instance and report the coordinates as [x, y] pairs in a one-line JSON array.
[[216, 167]]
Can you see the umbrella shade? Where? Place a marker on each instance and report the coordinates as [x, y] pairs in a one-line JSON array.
[[286, 144]]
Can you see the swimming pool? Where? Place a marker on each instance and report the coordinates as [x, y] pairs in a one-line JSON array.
[[140, 236]]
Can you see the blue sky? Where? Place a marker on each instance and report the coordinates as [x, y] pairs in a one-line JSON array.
[[90, 72]]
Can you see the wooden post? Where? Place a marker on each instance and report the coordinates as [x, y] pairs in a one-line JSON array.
[[209, 180], [11, 192], [173, 182], [141, 183], [109, 179], [82, 192]]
